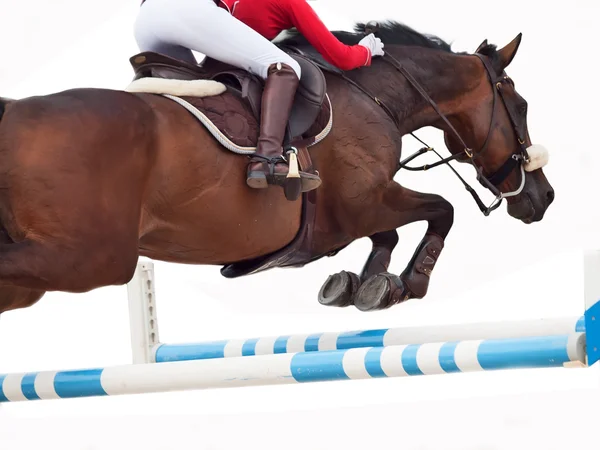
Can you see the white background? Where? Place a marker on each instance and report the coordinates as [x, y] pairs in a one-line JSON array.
[[492, 268]]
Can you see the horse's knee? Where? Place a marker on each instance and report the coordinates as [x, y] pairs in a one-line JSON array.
[[448, 209], [444, 219]]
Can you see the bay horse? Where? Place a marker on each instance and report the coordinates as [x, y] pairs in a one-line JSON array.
[[92, 179]]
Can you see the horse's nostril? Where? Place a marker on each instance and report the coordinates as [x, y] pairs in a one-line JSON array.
[[550, 196]]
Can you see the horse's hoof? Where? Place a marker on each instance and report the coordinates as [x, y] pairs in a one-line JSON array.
[[339, 289], [379, 292]]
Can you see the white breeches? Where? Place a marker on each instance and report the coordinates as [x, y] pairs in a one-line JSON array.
[[176, 27]]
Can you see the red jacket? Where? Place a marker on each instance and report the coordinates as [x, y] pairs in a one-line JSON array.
[[270, 17]]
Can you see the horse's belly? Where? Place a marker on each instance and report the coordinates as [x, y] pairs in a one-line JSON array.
[[223, 224]]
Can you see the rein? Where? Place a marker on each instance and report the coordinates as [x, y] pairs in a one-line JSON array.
[[489, 182]]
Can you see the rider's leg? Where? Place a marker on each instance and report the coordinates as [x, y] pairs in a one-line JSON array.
[[201, 26], [268, 166]]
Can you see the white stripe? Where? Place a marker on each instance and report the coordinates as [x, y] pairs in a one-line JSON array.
[[199, 374], [391, 361], [428, 359], [265, 346], [296, 343], [576, 347], [234, 348], [44, 386], [12, 387], [480, 330], [328, 341], [354, 364], [465, 356]]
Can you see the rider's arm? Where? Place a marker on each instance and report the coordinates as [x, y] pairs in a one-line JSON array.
[[308, 23]]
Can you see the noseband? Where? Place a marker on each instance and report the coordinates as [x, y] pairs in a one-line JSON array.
[[516, 159]]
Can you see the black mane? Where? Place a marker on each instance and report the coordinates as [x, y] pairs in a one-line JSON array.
[[390, 32]]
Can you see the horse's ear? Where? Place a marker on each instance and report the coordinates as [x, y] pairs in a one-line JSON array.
[[372, 27], [481, 46], [507, 53]]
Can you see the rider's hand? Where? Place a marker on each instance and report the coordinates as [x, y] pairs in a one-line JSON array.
[[373, 43]]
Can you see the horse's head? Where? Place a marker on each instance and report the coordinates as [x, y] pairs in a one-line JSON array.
[[492, 123]]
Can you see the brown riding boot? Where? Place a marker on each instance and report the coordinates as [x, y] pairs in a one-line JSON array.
[[268, 165]]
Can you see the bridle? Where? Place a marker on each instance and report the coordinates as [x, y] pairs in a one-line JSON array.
[[516, 159]]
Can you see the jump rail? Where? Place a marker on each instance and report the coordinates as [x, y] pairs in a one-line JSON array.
[[394, 352], [366, 338], [292, 368]]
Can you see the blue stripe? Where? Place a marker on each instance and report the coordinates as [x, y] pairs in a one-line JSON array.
[[592, 334], [447, 359], [409, 359], [318, 366], [187, 352], [249, 347], [79, 383], [580, 325], [312, 343], [28, 386], [373, 362], [280, 345], [2, 396], [547, 351], [356, 339]]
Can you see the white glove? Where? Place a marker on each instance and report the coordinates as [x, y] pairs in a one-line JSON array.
[[373, 43]]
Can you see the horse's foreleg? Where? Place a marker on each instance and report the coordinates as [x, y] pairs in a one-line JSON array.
[[400, 206], [381, 254]]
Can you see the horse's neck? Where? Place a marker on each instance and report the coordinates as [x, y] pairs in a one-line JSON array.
[[446, 77]]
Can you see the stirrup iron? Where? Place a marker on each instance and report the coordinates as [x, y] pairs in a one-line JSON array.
[[292, 156]]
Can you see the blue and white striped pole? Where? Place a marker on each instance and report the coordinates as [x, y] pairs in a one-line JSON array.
[[365, 338], [304, 367]]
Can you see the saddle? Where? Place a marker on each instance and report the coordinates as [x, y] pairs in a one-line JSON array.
[[309, 116], [233, 118]]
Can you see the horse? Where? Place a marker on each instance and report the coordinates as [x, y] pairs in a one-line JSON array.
[[92, 179]]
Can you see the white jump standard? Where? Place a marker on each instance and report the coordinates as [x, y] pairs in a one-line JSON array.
[[395, 352]]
